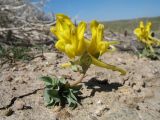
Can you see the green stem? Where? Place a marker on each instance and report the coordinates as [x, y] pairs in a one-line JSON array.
[[76, 82]]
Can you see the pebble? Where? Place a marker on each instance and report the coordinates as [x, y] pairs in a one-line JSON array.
[[99, 102], [9, 78], [15, 69], [148, 93], [19, 105], [99, 111]]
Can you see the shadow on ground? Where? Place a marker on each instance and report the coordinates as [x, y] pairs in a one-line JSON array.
[[101, 85]]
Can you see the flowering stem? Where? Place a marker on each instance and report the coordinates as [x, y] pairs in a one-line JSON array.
[[74, 83]]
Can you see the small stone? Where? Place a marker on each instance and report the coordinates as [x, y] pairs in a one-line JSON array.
[[59, 56], [15, 69], [14, 88], [119, 60], [67, 76], [155, 71], [139, 90], [143, 76], [99, 102], [99, 111], [93, 117], [136, 88], [89, 102], [19, 105], [23, 82], [63, 114], [133, 84], [47, 63], [113, 90], [148, 93], [9, 78], [137, 108]]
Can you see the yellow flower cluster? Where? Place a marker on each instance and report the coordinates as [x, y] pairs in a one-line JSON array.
[[143, 33], [71, 38], [72, 42]]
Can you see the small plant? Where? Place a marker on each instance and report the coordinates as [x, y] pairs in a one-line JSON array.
[[2, 52], [20, 53], [58, 92], [145, 36], [12, 54], [81, 51]]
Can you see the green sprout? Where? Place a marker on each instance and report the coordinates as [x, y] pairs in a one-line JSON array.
[[59, 92]]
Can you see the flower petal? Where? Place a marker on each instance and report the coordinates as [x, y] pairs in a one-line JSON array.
[[81, 29], [53, 29], [70, 51], [93, 45], [102, 48], [73, 38], [65, 19], [107, 66], [65, 65], [100, 30], [80, 35], [148, 27], [141, 25], [63, 31], [94, 25], [60, 45], [87, 43], [137, 32]]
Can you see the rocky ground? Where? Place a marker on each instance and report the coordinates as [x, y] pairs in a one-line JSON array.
[[106, 94]]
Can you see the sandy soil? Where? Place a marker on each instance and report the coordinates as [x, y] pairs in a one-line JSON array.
[[106, 94]]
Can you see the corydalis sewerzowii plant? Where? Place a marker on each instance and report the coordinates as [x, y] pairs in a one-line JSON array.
[[81, 51], [144, 35], [71, 41], [57, 92]]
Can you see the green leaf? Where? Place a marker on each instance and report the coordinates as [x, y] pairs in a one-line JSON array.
[[46, 97], [2, 52], [56, 100], [150, 54], [49, 86], [71, 102], [55, 81], [51, 102], [47, 80], [62, 80], [52, 92], [72, 95], [51, 97], [74, 68], [56, 92]]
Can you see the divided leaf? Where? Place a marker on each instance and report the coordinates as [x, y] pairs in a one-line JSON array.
[[47, 80], [57, 93]]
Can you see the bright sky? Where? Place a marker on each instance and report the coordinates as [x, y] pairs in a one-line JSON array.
[[104, 9]]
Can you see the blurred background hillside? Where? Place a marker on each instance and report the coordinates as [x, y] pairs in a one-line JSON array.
[[130, 25]]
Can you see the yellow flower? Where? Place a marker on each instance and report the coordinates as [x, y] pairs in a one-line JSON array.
[[143, 33], [97, 46], [70, 38], [71, 41]]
